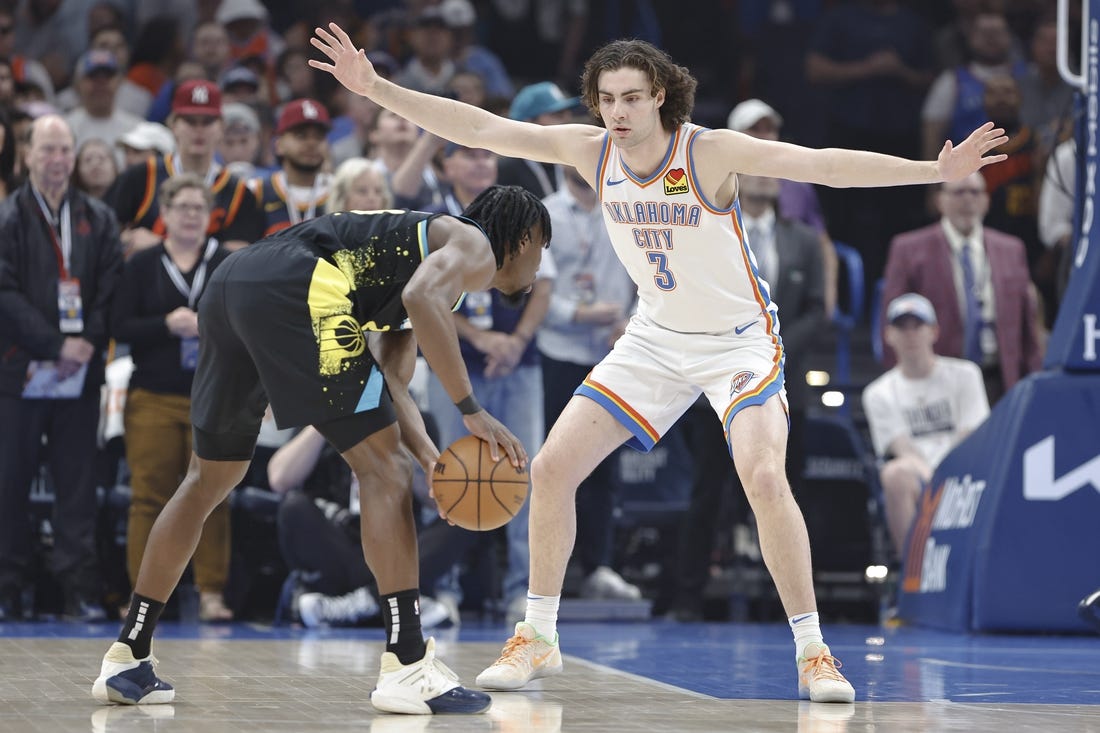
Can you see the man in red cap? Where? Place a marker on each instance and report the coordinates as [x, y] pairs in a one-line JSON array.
[[196, 123], [298, 190]]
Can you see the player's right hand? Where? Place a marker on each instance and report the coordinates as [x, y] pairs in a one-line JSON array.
[[349, 64], [493, 432]]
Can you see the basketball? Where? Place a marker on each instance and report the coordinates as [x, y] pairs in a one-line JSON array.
[[474, 492]]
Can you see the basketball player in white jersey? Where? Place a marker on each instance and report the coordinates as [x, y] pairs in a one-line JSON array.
[[705, 321]]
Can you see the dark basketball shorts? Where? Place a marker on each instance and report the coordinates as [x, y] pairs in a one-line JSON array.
[[276, 325]]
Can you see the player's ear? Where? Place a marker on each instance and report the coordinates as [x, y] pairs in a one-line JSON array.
[[659, 97]]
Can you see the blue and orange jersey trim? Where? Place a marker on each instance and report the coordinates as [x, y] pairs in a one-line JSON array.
[[645, 436], [604, 167]]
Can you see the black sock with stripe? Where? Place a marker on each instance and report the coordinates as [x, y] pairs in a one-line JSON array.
[[401, 612], [137, 631]]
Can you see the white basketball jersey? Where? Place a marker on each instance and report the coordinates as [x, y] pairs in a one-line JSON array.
[[691, 261]]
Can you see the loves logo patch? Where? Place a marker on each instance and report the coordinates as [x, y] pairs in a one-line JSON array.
[[675, 182], [739, 381]]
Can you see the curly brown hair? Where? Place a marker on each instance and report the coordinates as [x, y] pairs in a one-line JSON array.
[[663, 73]]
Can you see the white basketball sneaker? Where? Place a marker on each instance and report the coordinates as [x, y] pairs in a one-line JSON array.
[[424, 687], [129, 681], [819, 678], [526, 656]]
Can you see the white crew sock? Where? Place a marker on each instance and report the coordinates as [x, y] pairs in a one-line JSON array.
[[542, 613], [807, 630]]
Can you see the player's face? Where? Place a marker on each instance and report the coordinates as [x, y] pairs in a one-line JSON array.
[[628, 107], [518, 274]]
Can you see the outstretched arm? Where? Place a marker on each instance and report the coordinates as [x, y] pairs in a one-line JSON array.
[[575, 145], [849, 168]]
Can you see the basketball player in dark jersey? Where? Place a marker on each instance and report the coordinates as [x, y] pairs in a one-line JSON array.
[[318, 320]]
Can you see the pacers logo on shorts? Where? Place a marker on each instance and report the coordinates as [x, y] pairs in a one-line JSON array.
[[339, 338]]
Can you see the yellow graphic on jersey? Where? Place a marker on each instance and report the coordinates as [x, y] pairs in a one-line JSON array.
[[339, 335], [675, 182]]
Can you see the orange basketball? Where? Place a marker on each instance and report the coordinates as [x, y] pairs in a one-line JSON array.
[[474, 492]]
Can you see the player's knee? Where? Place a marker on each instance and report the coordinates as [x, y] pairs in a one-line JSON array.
[[765, 482], [548, 473], [389, 473]]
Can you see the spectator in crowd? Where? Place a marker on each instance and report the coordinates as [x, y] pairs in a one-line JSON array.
[[294, 78], [542, 104], [97, 80], [158, 51], [8, 146], [96, 167], [461, 17], [918, 410], [788, 258], [210, 47], [1046, 101], [797, 200], [977, 280], [319, 534], [54, 33], [432, 41], [60, 260], [871, 58], [360, 115], [7, 84], [162, 102], [496, 339], [359, 185], [250, 36], [197, 126], [240, 146], [468, 87], [131, 96], [25, 69], [1056, 208], [147, 139], [955, 100], [950, 42], [406, 155], [155, 313], [591, 300], [1013, 189], [299, 189], [241, 84]]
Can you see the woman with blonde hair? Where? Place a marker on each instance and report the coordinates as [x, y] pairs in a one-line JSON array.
[[359, 184]]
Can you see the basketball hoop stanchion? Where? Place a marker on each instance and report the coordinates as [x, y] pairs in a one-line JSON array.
[[1005, 537]]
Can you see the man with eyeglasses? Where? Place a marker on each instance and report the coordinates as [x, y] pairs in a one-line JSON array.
[[978, 282], [196, 123]]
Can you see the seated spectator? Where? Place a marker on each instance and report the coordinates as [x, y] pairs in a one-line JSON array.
[[154, 312], [919, 410], [146, 140], [96, 167], [359, 185], [240, 147], [978, 282]]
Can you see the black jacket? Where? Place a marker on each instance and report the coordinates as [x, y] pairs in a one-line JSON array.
[[29, 320]]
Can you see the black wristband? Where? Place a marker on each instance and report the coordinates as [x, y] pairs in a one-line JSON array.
[[468, 405]]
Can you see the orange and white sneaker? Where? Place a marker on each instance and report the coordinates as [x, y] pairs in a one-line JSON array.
[[819, 678], [526, 656]]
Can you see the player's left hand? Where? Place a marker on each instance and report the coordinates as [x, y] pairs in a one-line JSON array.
[[957, 162], [350, 65]]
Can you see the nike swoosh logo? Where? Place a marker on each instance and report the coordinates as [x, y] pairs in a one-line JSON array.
[[800, 619], [615, 183], [539, 660], [741, 329]]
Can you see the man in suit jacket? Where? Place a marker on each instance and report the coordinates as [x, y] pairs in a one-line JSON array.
[[788, 257], [985, 300]]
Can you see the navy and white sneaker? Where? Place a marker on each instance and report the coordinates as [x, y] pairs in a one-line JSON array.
[[425, 687], [129, 681]]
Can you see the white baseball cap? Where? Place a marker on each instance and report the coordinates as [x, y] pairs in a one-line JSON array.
[[911, 304], [749, 112]]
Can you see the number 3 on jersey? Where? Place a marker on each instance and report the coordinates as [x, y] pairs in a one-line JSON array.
[[663, 278]]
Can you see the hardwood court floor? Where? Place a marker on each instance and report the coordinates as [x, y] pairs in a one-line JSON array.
[[619, 677]]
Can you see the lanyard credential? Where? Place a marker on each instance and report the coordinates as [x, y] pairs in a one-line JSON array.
[[194, 290], [61, 226]]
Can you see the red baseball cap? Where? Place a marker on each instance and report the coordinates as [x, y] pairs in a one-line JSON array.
[[300, 112], [197, 97]]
